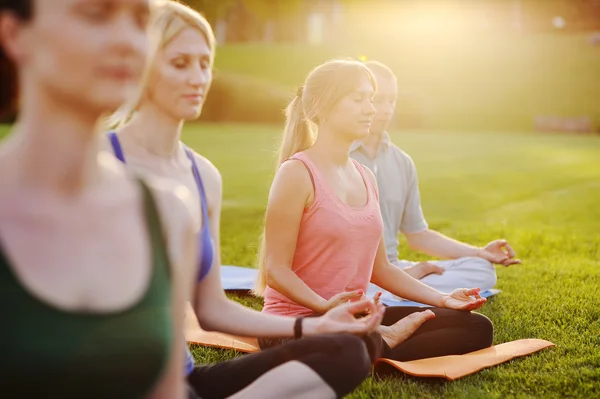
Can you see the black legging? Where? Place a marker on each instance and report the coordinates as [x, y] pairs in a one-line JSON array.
[[451, 332], [341, 360]]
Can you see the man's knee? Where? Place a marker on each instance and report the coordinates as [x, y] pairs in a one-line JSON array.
[[484, 271], [475, 261]]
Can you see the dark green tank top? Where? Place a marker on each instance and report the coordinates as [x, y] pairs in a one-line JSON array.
[[49, 353]]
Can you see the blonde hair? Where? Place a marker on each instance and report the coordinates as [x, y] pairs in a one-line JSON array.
[[324, 87], [168, 19]]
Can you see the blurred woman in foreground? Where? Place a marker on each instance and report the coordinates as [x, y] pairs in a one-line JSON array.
[[94, 261]]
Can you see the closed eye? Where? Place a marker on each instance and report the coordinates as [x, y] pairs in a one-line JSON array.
[[95, 11], [205, 63], [180, 62]]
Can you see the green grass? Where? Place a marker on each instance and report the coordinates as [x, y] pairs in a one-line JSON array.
[[476, 82], [541, 192]]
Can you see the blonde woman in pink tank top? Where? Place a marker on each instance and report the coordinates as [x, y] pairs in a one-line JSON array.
[[323, 240]]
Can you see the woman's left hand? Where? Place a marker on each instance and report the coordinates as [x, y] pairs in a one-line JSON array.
[[463, 299]]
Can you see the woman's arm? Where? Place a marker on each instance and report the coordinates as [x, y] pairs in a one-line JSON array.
[[400, 283], [214, 310], [292, 191], [217, 313], [214, 188]]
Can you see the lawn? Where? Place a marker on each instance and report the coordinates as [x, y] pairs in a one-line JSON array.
[[541, 192], [449, 82]]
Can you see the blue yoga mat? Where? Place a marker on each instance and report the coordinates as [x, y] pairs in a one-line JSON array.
[[236, 278]]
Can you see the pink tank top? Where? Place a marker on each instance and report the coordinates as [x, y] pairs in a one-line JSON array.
[[336, 244]]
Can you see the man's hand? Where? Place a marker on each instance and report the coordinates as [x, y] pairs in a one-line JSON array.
[[499, 252], [423, 269]]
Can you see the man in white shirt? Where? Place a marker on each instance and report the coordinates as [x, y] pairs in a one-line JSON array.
[[399, 200]]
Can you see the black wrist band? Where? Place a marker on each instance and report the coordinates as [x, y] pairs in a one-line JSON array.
[[298, 328]]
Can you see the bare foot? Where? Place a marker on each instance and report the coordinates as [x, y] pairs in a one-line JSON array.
[[423, 269], [404, 328]]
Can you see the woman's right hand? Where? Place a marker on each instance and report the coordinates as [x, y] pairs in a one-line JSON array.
[[341, 298], [343, 318]]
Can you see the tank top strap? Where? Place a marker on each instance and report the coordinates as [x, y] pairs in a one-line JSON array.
[[155, 230], [205, 241], [198, 179], [366, 178], [313, 171], [116, 145]]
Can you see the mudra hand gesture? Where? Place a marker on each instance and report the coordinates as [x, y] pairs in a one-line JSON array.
[[499, 252], [342, 318], [463, 299]]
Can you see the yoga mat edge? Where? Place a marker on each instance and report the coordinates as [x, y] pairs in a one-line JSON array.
[[458, 366]]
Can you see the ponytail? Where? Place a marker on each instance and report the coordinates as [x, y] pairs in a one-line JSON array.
[[261, 280], [298, 135]]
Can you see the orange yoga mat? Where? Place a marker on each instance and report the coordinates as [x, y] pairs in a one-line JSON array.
[[458, 366], [196, 335], [448, 367]]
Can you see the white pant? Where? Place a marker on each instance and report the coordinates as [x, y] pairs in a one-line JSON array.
[[467, 272]]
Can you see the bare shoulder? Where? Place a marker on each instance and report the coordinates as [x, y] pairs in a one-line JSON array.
[[174, 201], [291, 185], [176, 207], [212, 182], [291, 191], [293, 173]]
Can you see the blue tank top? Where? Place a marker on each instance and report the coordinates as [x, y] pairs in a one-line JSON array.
[[204, 237]]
